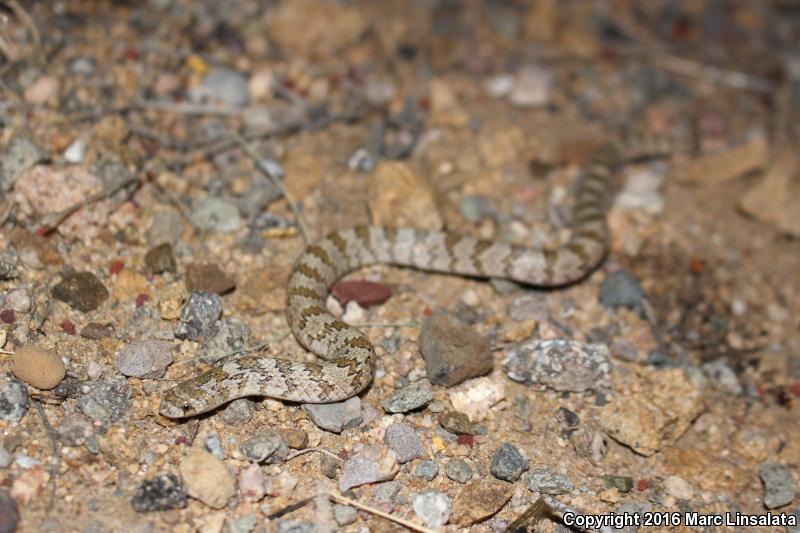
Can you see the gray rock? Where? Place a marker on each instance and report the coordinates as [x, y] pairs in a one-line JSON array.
[[238, 412], [459, 470], [476, 208], [409, 398], [504, 287], [426, 470], [9, 512], [403, 442], [723, 377], [199, 316], [387, 491], [329, 466], [82, 66], [216, 214], [144, 359], [529, 307], [160, 493], [546, 481], [453, 352], [225, 85], [795, 529], [560, 364], [231, 335], [14, 399], [335, 417], [75, 430], [5, 458], [621, 289], [242, 524], [433, 507], [165, 228], [779, 484], [344, 514], [21, 154], [266, 447], [214, 446], [533, 86], [507, 463], [368, 464], [294, 526], [160, 259], [19, 300], [107, 401], [81, 290]]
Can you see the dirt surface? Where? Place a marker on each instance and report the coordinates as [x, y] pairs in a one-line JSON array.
[[161, 158]]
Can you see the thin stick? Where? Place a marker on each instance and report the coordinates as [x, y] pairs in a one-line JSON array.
[[250, 151], [307, 450], [188, 108], [410, 525], [289, 508], [50, 223]]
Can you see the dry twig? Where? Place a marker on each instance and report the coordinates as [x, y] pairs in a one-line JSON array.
[[402, 521]]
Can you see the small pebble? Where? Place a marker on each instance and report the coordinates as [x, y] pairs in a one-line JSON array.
[[75, 430], [242, 524], [480, 499], [199, 316], [476, 208], [294, 526], [38, 367], [354, 314], [329, 466], [161, 493], [75, 152], [238, 412], [621, 483], [208, 277], [215, 214], [477, 397], [433, 507], [779, 484], [457, 423], [621, 289], [507, 463], [368, 464], [533, 86], [560, 364], [230, 335], [335, 417], [214, 446], [365, 293], [459, 470], [679, 488], [426, 470], [144, 359], [160, 259], [548, 482], [529, 307], [106, 401], [20, 155], [453, 352], [409, 398], [504, 287], [207, 478], [81, 290], [386, 491], [14, 399], [5, 458], [9, 512], [19, 300], [295, 438], [723, 377], [226, 86], [266, 447], [251, 482], [96, 331], [344, 514], [402, 439]]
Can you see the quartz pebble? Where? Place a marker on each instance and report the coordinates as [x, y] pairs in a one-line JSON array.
[[207, 478], [433, 507], [38, 367], [251, 482], [19, 300]]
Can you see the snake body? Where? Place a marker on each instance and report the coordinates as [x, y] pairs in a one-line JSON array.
[[348, 355]]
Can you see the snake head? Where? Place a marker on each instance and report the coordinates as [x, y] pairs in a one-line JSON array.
[[177, 404]]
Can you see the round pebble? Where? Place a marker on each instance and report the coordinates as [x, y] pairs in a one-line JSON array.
[[14, 399], [433, 507], [38, 367], [207, 478]]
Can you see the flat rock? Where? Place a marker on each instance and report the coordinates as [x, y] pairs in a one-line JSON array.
[[106, 401], [368, 464], [453, 352], [480, 499], [144, 359], [404, 442], [38, 367], [337, 416], [779, 484], [432, 506], [560, 364], [414, 396], [82, 291], [207, 478], [365, 293], [548, 482], [208, 277], [266, 447]]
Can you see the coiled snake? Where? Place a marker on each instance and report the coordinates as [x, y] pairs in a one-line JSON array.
[[349, 358]]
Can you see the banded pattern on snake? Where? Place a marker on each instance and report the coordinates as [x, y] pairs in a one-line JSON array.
[[349, 358]]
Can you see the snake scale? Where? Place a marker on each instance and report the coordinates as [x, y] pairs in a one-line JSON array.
[[348, 355]]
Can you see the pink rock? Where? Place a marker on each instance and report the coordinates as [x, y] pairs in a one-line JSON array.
[[41, 90], [365, 293], [251, 482]]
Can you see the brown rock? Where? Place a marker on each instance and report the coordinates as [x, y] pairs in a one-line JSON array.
[[34, 250], [129, 284], [81, 290], [208, 277], [38, 367], [365, 293], [207, 478], [453, 352], [706, 470], [160, 259], [295, 438], [263, 290], [400, 197], [776, 198], [333, 26], [657, 415], [480, 499], [96, 331]]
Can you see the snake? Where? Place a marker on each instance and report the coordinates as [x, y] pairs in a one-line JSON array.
[[346, 355]]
